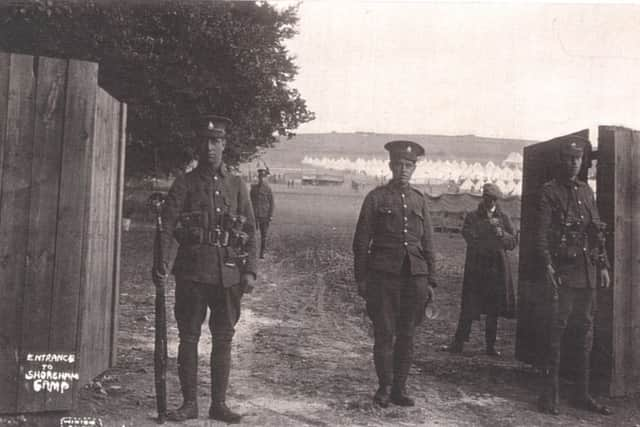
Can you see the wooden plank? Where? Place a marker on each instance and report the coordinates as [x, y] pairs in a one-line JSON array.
[[622, 309], [122, 134], [73, 216], [633, 377], [45, 177], [90, 323], [14, 214]]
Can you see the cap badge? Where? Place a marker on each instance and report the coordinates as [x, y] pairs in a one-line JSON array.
[[210, 127], [573, 145], [408, 148]]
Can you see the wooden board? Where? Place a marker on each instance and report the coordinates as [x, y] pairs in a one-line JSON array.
[[122, 145], [45, 177], [68, 289], [14, 217]]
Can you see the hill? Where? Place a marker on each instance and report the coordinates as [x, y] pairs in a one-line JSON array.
[[470, 148]]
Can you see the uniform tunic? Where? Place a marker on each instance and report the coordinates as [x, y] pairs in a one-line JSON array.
[[211, 195], [262, 200]]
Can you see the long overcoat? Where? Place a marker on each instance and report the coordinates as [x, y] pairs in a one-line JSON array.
[[487, 286]]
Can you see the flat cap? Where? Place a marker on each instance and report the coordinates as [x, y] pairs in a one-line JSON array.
[[400, 149], [491, 190], [212, 125], [573, 146]]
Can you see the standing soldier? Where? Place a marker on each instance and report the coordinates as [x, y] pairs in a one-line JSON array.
[[209, 212], [487, 286], [571, 243], [394, 270], [262, 200]]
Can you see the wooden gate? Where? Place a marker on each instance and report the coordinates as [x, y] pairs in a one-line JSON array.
[[62, 141], [616, 353]]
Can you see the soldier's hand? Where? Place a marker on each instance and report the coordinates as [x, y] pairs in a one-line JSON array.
[[431, 294], [605, 280], [551, 276], [362, 288], [247, 282], [159, 273]]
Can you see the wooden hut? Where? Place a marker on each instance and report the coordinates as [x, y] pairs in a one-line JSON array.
[[62, 145], [616, 353]]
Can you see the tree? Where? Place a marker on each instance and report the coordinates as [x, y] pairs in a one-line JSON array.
[[172, 60]]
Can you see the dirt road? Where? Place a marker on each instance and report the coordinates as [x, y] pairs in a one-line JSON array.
[[302, 351]]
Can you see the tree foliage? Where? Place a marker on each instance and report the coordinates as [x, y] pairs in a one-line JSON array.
[[173, 60]]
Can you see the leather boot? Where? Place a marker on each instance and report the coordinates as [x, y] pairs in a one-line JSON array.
[[585, 400], [549, 400], [490, 332], [188, 374], [383, 361], [402, 358], [220, 368], [381, 398]]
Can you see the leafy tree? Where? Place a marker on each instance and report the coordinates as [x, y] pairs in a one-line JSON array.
[[172, 60]]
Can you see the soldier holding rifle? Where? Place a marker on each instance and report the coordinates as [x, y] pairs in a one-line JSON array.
[[570, 241], [394, 270], [209, 213]]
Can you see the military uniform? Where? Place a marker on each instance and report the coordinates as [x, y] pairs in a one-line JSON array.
[[263, 206], [570, 238], [205, 211], [393, 254]]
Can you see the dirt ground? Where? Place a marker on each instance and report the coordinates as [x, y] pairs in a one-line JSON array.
[[302, 350]]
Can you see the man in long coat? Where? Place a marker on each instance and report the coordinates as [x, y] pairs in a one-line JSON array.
[[206, 210], [487, 285], [394, 270]]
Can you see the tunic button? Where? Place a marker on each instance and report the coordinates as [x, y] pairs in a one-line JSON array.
[[217, 193], [404, 206], [215, 178], [217, 209], [406, 244], [406, 219], [402, 195], [579, 202], [405, 230]]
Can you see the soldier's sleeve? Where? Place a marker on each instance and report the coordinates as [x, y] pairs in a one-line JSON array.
[[427, 243], [468, 231], [271, 203], [597, 236], [509, 238], [544, 224], [171, 210], [246, 209], [362, 238]]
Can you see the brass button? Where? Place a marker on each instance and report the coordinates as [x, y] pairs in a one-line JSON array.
[[404, 206], [217, 209], [406, 243], [217, 193]]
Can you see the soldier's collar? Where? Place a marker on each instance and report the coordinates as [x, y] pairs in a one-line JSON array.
[[207, 171]]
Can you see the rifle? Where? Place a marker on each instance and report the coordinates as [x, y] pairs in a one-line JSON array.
[[156, 200]]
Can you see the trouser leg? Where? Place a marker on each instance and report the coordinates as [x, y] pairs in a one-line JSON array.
[[490, 333], [222, 323], [190, 311]]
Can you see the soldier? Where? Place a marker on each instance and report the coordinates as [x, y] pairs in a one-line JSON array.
[[487, 285], [262, 200], [394, 270], [571, 243], [209, 212]]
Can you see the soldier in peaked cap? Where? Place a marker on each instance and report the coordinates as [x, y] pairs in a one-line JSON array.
[[487, 286], [209, 213], [394, 270], [570, 242], [263, 206]]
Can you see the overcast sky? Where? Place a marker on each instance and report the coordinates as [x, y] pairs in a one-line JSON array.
[[503, 70]]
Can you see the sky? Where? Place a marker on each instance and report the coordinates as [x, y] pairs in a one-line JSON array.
[[506, 70]]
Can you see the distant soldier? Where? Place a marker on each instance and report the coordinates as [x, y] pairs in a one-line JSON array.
[[394, 270], [263, 205], [487, 286], [571, 243], [209, 212]]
